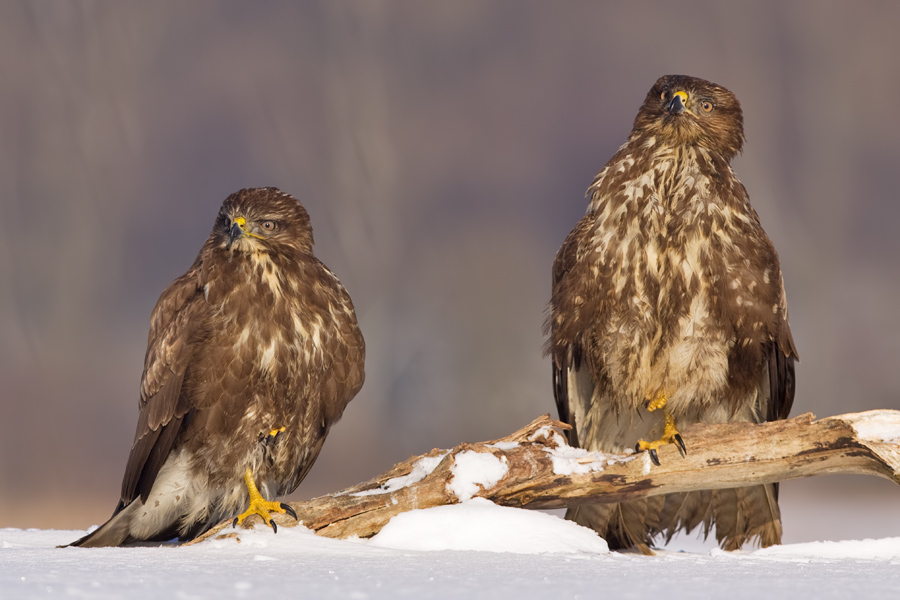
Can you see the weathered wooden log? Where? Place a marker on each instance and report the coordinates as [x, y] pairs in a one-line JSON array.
[[535, 468]]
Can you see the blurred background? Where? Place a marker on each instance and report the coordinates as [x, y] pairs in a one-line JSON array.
[[443, 150]]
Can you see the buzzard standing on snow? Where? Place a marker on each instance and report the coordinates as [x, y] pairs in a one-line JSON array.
[[252, 356], [668, 309]]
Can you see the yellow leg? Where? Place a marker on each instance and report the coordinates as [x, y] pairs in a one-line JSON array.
[[260, 506], [670, 433], [658, 402]]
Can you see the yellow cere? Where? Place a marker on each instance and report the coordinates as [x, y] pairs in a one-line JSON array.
[[684, 98], [242, 223]]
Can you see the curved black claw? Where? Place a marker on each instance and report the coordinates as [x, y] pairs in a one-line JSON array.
[[654, 457], [234, 523], [287, 508], [274, 527], [680, 443]]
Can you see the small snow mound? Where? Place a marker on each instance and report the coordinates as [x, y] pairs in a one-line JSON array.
[[883, 549], [420, 471], [551, 434], [567, 460], [878, 426], [481, 525], [260, 536], [472, 469]]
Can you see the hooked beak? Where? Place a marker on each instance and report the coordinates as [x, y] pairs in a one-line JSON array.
[[676, 104], [237, 229]]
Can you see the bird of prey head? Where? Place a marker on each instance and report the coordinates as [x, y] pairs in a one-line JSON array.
[[278, 226], [682, 110]]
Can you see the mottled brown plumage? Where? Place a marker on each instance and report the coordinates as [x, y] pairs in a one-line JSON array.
[[257, 335], [669, 285]]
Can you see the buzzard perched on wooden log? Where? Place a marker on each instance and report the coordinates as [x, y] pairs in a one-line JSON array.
[[668, 308], [252, 356]]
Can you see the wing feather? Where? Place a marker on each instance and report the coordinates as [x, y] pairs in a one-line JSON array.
[[346, 354], [336, 385], [163, 405], [781, 358], [573, 386]]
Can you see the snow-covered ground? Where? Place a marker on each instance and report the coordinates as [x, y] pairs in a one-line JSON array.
[[472, 550]]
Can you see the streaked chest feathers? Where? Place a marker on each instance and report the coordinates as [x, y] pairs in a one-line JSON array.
[[659, 236]]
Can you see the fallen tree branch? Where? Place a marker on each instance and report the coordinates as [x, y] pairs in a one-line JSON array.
[[535, 468]]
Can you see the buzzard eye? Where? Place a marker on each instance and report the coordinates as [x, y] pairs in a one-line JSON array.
[[706, 105], [269, 225], [662, 96]]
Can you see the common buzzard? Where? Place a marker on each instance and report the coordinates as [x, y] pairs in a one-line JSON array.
[[668, 308], [252, 356]]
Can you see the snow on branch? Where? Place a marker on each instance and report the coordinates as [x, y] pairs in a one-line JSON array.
[[535, 468]]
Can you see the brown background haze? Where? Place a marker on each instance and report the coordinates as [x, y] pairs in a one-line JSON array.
[[443, 150]]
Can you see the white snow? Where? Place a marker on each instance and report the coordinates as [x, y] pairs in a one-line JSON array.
[[420, 471], [567, 460], [481, 525], [878, 426], [475, 471], [296, 563], [548, 433], [888, 548]]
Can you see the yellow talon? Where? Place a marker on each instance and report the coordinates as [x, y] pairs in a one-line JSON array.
[[670, 432], [259, 505], [275, 432]]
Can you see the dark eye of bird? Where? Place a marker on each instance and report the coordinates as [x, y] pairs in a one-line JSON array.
[[707, 106], [269, 225]]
